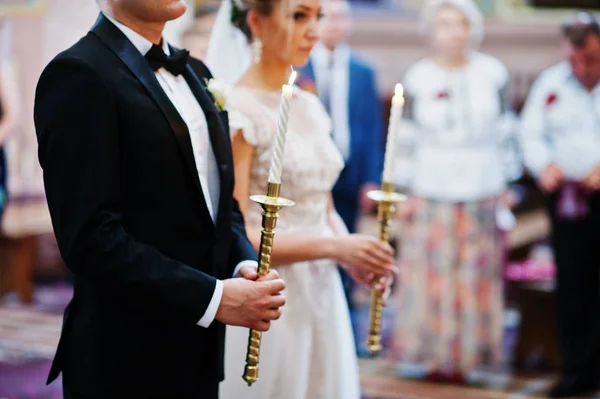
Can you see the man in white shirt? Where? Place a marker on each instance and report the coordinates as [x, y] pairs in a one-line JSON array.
[[139, 179], [561, 142]]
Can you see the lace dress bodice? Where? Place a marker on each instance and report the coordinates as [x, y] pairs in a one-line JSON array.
[[310, 350], [311, 163]]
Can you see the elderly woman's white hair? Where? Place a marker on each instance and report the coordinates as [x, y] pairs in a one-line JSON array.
[[469, 8]]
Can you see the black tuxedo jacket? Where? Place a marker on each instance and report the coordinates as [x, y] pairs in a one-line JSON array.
[[132, 222]]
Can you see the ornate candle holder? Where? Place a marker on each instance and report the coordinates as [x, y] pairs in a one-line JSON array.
[[271, 204], [387, 198]]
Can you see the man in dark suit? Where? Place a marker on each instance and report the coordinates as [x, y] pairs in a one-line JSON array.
[[139, 179], [347, 86]]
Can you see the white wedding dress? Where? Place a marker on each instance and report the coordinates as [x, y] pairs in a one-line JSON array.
[[309, 353]]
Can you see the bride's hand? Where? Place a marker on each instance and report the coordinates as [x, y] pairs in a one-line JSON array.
[[385, 283], [368, 278], [366, 253]]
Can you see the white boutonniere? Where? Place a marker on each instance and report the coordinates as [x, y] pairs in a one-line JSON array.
[[220, 92]]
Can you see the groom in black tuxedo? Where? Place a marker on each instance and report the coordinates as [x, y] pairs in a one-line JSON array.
[[139, 179]]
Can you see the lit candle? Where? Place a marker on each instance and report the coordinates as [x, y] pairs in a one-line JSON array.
[[284, 114], [392, 135]]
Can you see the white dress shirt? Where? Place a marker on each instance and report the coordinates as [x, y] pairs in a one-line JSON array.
[[561, 124], [332, 77], [182, 97]]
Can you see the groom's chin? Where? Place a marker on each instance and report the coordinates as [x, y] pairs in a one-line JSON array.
[[164, 10], [178, 8], [175, 9]]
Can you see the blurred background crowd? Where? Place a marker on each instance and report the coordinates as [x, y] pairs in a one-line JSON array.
[[498, 153]]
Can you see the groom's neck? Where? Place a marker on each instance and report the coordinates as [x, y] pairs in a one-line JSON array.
[[152, 31]]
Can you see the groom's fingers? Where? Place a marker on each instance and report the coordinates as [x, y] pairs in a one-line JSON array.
[[276, 302], [249, 273], [272, 314], [261, 325], [272, 275], [274, 286]]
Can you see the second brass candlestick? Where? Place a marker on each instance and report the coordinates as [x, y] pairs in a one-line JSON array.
[[387, 199], [271, 205]]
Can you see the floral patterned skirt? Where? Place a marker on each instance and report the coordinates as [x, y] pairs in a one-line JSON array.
[[449, 316]]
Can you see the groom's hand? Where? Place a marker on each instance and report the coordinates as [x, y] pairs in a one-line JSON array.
[[251, 304], [249, 272]]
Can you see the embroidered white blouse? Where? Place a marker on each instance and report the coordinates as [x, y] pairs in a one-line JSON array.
[[457, 141]]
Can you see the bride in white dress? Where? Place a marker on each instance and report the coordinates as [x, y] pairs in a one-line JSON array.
[[310, 352]]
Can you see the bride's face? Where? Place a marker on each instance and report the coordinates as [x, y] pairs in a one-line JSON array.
[[290, 32]]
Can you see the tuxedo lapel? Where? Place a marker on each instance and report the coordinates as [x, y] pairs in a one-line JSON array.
[[216, 129], [137, 64]]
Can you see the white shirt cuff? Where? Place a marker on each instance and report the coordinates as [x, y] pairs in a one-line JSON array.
[[242, 264], [213, 306]]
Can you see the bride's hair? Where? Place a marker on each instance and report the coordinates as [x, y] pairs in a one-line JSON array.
[[239, 13]]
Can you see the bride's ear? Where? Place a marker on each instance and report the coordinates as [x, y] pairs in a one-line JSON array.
[[254, 24]]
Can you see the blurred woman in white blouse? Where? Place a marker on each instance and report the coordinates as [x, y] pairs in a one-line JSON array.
[[455, 162]]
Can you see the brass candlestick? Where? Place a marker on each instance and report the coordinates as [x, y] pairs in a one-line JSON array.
[[387, 198], [271, 204]]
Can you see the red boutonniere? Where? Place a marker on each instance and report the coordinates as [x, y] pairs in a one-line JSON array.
[[442, 95], [551, 99]]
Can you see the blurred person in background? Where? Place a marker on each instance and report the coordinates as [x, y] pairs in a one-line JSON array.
[[8, 105], [346, 84], [561, 142], [454, 162]]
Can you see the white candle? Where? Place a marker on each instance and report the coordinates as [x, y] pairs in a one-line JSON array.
[[284, 113], [392, 135]]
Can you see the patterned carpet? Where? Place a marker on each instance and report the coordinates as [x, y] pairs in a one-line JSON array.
[[27, 334], [378, 382], [28, 337]]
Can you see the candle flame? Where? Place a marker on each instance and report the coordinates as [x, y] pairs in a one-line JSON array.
[[292, 77], [399, 90]]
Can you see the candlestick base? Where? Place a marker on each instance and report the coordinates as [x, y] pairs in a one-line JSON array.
[[387, 198], [271, 204]]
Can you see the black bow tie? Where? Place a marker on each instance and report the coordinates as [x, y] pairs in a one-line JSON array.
[[174, 63]]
